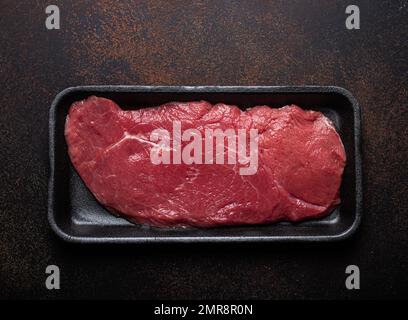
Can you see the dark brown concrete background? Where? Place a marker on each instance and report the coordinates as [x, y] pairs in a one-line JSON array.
[[205, 43]]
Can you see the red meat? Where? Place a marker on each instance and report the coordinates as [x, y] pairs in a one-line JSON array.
[[300, 164]]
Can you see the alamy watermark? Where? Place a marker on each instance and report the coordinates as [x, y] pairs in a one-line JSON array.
[[216, 146], [353, 18], [353, 278], [52, 282], [53, 19]]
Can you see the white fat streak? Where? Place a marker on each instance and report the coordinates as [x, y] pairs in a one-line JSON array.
[[128, 136]]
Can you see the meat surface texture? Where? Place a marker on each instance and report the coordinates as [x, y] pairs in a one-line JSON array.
[[300, 164]]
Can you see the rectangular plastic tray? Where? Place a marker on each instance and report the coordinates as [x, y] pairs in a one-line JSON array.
[[76, 216]]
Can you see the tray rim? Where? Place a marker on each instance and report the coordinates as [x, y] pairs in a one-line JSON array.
[[210, 89]]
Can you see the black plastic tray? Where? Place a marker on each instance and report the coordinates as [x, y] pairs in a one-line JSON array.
[[76, 216]]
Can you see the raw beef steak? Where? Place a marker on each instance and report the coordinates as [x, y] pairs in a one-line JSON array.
[[300, 164]]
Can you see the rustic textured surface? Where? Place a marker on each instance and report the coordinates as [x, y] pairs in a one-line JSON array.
[[213, 43]]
